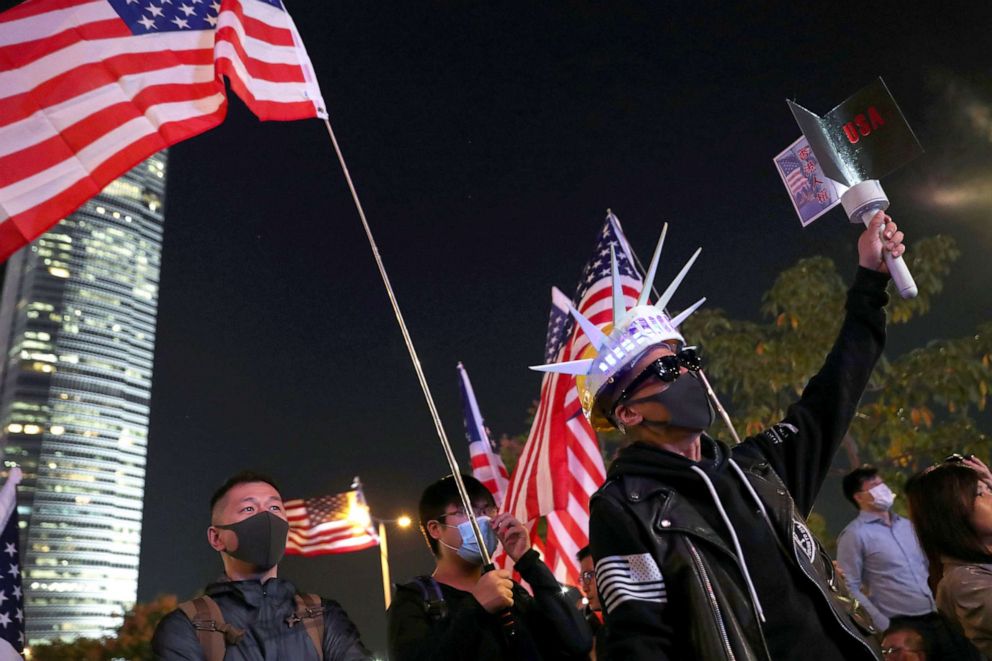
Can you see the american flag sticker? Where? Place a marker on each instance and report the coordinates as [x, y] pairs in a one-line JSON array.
[[811, 192], [621, 578]]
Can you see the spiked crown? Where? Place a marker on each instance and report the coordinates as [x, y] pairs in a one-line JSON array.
[[633, 332]]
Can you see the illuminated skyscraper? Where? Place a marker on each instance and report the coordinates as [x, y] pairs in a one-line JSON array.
[[77, 336]]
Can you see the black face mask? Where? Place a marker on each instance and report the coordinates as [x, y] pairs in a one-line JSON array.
[[686, 402], [261, 540]]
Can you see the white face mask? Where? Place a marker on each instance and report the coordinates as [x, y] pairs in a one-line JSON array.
[[882, 497]]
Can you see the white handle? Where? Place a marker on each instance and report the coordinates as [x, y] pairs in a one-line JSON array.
[[897, 267]]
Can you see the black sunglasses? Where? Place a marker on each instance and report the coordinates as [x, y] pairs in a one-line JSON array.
[[666, 368]]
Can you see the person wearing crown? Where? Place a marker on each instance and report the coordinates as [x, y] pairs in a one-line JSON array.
[[702, 551]]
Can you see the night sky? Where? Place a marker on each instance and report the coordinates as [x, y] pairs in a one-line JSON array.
[[487, 141]]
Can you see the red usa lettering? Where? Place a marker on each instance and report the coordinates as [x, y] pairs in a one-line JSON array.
[[863, 125]]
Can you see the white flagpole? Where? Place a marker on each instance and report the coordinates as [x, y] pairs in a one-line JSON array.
[[387, 588], [452, 462]]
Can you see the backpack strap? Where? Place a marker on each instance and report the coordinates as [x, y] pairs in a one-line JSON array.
[[212, 631], [430, 592], [310, 611]]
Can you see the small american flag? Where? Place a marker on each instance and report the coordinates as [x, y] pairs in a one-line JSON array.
[[561, 465], [11, 596], [487, 466], [89, 88], [339, 523], [792, 170]]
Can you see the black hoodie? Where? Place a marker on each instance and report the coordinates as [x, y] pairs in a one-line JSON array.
[[799, 450]]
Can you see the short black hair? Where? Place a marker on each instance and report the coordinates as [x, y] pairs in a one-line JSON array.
[[583, 553], [241, 477], [941, 640], [439, 495], [854, 480]]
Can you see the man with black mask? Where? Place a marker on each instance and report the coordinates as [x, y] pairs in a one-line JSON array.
[[250, 614], [460, 611], [702, 551]]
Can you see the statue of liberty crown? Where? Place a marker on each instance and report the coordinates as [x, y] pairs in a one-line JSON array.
[[633, 332]]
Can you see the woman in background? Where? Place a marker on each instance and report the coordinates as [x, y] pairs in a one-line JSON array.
[[951, 507]]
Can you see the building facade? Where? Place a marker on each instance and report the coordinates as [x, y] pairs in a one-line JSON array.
[[77, 334]]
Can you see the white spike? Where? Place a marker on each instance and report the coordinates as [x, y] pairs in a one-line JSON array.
[[596, 337], [619, 307], [574, 367], [667, 296], [649, 276], [682, 316]]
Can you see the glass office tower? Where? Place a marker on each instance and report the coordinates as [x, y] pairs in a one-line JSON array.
[[77, 333]]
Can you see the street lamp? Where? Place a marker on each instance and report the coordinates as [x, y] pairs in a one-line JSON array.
[[402, 521]]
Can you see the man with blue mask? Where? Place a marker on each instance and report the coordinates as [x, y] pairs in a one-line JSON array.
[[883, 563], [249, 613], [462, 612]]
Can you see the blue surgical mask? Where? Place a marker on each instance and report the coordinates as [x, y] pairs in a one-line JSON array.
[[469, 550]]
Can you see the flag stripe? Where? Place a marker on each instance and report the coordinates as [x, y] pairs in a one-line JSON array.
[[84, 91]]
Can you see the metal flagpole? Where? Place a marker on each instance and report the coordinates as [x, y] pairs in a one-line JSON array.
[[387, 587], [452, 462], [706, 383]]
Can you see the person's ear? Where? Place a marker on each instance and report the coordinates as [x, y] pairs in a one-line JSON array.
[[213, 538], [627, 416], [434, 529]]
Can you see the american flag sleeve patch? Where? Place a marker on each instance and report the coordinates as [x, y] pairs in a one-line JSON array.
[[621, 578]]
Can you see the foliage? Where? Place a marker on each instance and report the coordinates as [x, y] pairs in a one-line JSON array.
[[132, 642], [919, 405]]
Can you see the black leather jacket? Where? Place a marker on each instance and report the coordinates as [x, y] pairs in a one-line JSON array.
[[672, 582], [721, 620]]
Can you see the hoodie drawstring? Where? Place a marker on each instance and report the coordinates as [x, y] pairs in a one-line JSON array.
[[733, 538], [750, 490]]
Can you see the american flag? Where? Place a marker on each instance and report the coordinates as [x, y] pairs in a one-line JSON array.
[[792, 172], [561, 465], [338, 523], [11, 597], [487, 466], [89, 88]]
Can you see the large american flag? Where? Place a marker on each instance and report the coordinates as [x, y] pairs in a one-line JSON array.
[[561, 465], [337, 523], [89, 88], [487, 466]]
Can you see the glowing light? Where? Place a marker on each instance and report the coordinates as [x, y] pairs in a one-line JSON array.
[[404, 521], [15, 428], [359, 515]]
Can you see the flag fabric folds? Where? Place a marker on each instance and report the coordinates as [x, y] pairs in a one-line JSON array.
[[561, 465], [338, 523], [89, 88], [487, 466], [11, 596]]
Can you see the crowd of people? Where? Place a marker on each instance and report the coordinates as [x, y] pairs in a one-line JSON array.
[[698, 550]]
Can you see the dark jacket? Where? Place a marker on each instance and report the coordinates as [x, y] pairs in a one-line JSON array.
[[261, 610], [548, 625], [682, 548]]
